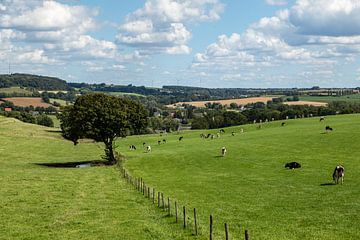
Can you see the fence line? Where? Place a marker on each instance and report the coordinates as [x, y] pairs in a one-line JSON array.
[[139, 185]]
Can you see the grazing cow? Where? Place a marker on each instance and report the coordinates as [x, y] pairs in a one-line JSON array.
[[180, 138], [339, 173], [159, 142], [328, 128], [223, 151], [283, 124], [207, 136], [164, 140], [322, 119], [292, 165], [148, 149], [132, 147]]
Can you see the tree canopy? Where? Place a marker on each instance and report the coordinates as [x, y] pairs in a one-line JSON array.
[[102, 118]]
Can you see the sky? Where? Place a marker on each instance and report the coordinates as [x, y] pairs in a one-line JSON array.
[[203, 43]]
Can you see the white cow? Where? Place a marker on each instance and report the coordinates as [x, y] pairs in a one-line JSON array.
[[148, 148]]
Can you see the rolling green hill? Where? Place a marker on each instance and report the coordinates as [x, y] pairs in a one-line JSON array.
[[249, 187], [39, 202]]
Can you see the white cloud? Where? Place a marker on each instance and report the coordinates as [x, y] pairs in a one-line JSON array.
[[161, 25], [326, 17], [276, 2]]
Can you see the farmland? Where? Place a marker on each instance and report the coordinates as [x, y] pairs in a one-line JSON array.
[[15, 90], [239, 101], [27, 101], [329, 99], [38, 202], [248, 188], [310, 103]]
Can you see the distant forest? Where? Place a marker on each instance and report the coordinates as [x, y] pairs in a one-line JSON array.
[[33, 81]]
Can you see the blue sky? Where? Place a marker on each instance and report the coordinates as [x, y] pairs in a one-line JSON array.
[[207, 43]]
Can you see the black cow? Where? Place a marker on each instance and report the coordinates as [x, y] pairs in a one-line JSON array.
[[328, 128], [292, 165]]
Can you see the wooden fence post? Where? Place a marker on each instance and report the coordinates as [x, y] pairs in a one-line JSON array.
[[195, 223], [211, 227], [184, 211], [247, 235], [176, 213], [226, 232], [158, 199], [169, 207], [153, 196]]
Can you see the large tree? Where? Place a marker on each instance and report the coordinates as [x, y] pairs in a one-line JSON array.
[[102, 118]]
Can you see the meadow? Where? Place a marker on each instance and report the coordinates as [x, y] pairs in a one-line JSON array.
[[250, 189], [328, 99], [38, 202]]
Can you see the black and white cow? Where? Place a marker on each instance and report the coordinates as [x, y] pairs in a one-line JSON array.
[[338, 174]]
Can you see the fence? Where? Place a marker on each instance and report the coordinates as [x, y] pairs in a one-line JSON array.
[[139, 184]]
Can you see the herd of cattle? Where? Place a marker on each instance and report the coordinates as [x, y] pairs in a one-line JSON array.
[[338, 173]]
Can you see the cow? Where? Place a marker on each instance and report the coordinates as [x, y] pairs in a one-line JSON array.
[[223, 151], [322, 119], [292, 165], [328, 128], [338, 173], [132, 147], [180, 138], [283, 124], [148, 149]]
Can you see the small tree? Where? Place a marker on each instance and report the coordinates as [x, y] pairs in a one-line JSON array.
[[102, 118], [44, 120]]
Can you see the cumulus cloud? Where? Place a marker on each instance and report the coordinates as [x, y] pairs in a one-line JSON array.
[[161, 25], [326, 17]]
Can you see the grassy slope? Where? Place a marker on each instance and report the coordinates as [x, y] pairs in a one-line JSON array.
[[57, 203], [250, 188], [328, 99], [15, 90]]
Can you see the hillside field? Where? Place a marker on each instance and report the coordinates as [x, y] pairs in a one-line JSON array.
[[249, 187], [328, 99], [38, 202]]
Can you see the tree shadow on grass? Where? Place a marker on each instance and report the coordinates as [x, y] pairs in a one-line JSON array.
[[54, 131], [82, 164], [328, 184]]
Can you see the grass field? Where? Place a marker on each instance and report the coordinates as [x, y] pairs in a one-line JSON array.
[[250, 189], [60, 101], [15, 90], [328, 99], [38, 202]]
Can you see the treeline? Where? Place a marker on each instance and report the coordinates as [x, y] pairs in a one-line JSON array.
[[33, 81], [40, 119], [260, 112]]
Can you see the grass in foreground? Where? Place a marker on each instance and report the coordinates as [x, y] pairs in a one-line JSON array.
[[250, 189], [38, 202]]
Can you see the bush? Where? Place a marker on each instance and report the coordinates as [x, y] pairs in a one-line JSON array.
[[44, 120]]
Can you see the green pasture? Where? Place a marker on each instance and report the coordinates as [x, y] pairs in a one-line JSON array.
[[249, 187], [328, 99], [60, 101], [11, 90], [38, 202]]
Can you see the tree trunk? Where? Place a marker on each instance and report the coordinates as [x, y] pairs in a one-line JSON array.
[[109, 151]]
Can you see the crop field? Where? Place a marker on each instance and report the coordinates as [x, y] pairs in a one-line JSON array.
[[310, 103], [38, 202], [27, 101], [328, 99], [249, 187], [239, 101]]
